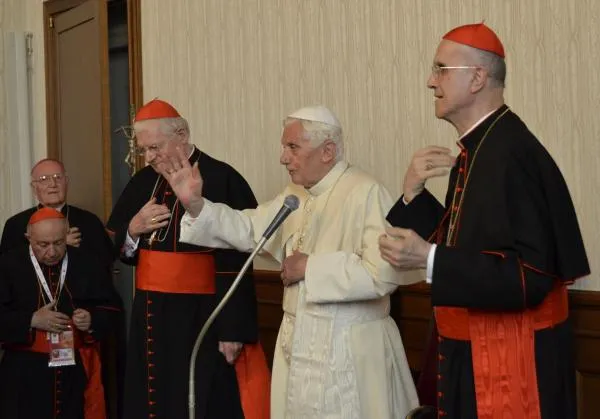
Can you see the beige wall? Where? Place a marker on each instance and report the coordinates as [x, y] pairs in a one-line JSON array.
[[23, 16], [236, 67]]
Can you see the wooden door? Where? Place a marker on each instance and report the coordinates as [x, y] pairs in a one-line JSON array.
[[78, 99]]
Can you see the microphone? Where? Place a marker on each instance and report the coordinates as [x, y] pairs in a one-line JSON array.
[[290, 204]]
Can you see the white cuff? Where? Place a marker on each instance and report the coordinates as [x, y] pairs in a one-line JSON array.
[[130, 246], [430, 258], [205, 214]]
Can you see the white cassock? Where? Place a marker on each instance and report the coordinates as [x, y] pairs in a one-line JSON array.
[[338, 354]]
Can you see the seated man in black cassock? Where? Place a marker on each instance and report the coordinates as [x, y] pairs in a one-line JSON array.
[[54, 305], [49, 183], [178, 285]]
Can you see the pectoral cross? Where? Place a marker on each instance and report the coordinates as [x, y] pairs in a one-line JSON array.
[[152, 237]]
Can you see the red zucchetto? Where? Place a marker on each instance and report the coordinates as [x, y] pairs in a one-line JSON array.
[[156, 109], [477, 36], [45, 213]]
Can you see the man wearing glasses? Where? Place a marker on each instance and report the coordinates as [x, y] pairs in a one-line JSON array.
[[501, 251], [178, 285], [49, 183]]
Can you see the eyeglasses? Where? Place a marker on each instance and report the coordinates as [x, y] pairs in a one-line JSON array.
[[154, 148], [46, 180], [437, 70]]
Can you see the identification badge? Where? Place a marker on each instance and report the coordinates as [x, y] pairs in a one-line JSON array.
[[62, 349]]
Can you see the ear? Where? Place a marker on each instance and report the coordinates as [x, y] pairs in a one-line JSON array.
[[329, 151], [183, 137], [479, 79]]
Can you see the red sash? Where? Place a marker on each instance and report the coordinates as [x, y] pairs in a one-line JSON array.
[[503, 352], [194, 273], [254, 381], [94, 403], [180, 273]]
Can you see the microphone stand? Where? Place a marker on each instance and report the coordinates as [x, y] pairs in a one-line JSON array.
[[209, 322]]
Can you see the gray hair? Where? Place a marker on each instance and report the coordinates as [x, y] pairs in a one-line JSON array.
[[167, 126], [318, 132], [495, 65]]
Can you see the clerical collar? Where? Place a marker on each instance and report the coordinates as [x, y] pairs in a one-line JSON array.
[[52, 268], [329, 179], [472, 137], [476, 124]]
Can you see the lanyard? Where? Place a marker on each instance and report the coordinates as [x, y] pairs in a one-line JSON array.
[[42, 280]]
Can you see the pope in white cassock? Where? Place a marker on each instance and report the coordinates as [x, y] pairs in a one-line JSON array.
[[339, 353]]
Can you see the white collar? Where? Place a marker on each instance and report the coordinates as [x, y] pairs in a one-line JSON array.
[[476, 124], [329, 179], [59, 209]]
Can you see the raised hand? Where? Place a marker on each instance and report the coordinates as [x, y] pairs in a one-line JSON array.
[[185, 180], [150, 217], [426, 163]]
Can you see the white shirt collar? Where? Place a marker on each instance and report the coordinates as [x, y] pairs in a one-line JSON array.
[[329, 179], [476, 124], [59, 208]]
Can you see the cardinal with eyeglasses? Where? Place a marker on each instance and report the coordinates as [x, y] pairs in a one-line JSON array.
[[50, 186], [178, 285]]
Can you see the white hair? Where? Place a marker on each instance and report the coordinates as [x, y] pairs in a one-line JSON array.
[[167, 126], [319, 132], [495, 65]]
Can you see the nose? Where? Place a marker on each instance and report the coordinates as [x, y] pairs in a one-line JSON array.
[[51, 252], [432, 81], [283, 157]]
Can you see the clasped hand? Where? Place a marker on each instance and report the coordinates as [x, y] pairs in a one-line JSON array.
[[50, 320], [74, 237], [293, 268], [150, 217]]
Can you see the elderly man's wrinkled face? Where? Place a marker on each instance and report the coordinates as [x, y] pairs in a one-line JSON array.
[[451, 87], [156, 146], [306, 164], [48, 240], [49, 184]]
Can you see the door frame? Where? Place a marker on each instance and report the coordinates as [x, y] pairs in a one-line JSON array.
[[134, 36]]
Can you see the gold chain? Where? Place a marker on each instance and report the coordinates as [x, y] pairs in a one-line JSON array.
[[162, 232], [455, 215]]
